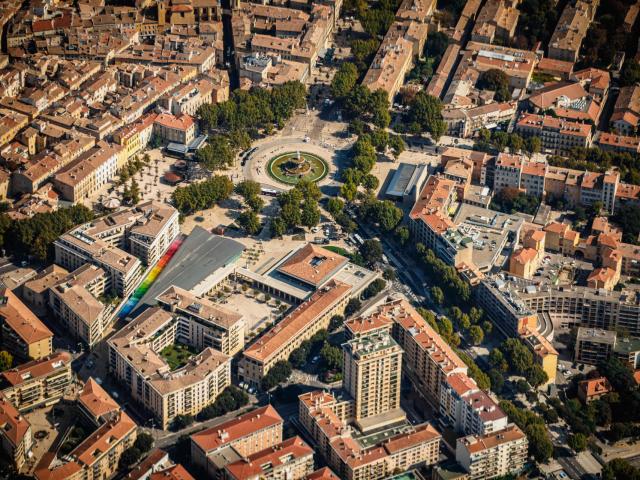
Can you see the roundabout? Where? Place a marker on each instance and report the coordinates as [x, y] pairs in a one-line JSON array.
[[291, 167]]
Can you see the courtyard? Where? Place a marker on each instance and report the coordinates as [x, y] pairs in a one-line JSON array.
[[177, 355]]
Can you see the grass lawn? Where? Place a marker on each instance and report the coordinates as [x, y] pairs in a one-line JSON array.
[[338, 250], [177, 355]]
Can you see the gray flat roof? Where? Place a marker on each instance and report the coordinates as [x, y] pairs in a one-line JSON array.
[[401, 180], [201, 254]]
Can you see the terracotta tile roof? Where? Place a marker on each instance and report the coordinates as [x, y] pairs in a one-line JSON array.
[[13, 426], [182, 122], [96, 400], [101, 440], [312, 264], [461, 383], [147, 465], [296, 321], [434, 197], [237, 428], [277, 456], [595, 386], [423, 433], [322, 474], [475, 444], [37, 368], [601, 274], [534, 168], [549, 96], [403, 314], [537, 235], [619, 141], [367, 324], [556, 227], [628, 191], [21, 319], [177, 472], [524, 255], [550, 64]]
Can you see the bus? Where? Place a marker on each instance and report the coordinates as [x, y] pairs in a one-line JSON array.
[[358, 239], [269, 192]]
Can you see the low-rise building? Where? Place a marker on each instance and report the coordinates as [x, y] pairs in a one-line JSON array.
[[593, 388], [35, 292], [626, 112], [497, 20]]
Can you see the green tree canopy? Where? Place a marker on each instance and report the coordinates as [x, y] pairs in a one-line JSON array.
[[497, 81], [425, 113], [202, 195], [249, 221], [344, 80]]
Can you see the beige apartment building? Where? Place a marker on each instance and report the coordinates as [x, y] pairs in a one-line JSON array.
[[204, 324], [74, 302], [177, 129], [493, 455], [290, 460], [35, 292], [97, 456], [187, 98], [22, 333], [558, 136], [372, 374], [428, 360], [37, 383], [76, 248], [81, 179], [571, 29], [214, 448], [277, 344], [326, 417], [135, 360], [145, 230]]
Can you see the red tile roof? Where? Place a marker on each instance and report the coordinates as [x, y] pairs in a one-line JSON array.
[[237, 428]]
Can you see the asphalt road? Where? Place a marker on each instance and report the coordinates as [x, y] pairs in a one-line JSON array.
[[572, 467]]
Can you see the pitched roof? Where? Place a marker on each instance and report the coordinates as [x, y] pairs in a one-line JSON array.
[[13, 426], [276, 456], [96, 400], [177, 472], [306, 313], [312, 264], [21, 320], [237, 428], [37, 368]]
